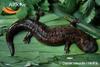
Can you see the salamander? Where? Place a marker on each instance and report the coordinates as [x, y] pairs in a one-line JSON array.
[[56, 36]]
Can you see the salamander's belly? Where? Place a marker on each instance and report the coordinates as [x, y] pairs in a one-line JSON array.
[[55, 37]]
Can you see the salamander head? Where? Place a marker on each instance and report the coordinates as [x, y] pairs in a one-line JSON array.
[[90, 46]]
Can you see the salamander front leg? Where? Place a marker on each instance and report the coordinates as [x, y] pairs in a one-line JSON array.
[[67, 47], [27, 38]]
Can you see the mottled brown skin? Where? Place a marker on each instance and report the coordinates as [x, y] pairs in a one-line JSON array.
[[51, 36]]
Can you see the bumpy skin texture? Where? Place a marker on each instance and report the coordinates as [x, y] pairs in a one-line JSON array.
[[51, 36]]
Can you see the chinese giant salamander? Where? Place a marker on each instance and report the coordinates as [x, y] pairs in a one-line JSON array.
[[51, 36]]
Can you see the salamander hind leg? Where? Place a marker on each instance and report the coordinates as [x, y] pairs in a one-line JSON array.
[[27, 38]]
